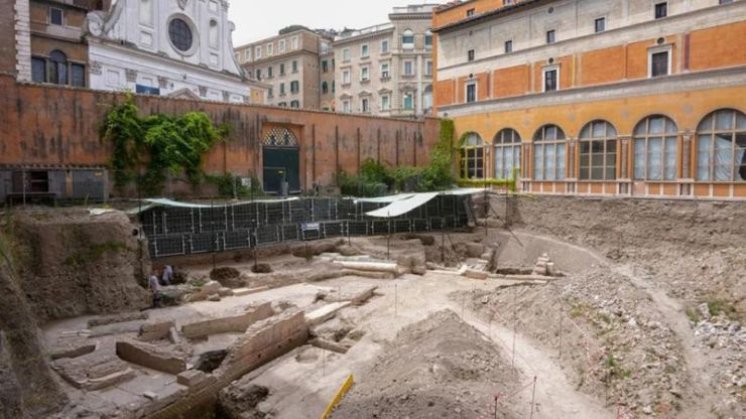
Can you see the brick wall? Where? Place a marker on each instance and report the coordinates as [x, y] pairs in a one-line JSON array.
[[49, 125], [7, 35]]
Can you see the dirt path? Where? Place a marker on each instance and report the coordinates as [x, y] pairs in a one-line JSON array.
[[702, 398], [555, 396]]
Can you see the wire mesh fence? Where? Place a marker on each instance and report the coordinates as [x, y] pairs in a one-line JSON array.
[[176, 231]]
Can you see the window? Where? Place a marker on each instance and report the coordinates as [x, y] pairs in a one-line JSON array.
[[661, 10], [38, 70], [472, 156], [180, 34], [147, 90], [324, 66], [295, 66], [281, 45], [427, 99], [364, 51], [247, 54], [270, 50], [471, 92], [365, 73], [77, 75], [659, 63], [258, 52], [600, 24], [294, 42], [721, 147], [655, 149], [385, 102], [295, 104], [408, 68], [324, 87], [470, 55], [346, 54], [283, 104], [57, 68], [549, 153], [294, 86], [270, 73], [507, 154], [56, 16], [407, 39], [470, 12], [270, 92], [408, 101], [346, 77], [213, 35], [385, 74], [551, 37], [259, 74], [508, 46], [551, 79], [346, 106], [428, 68], [598, 144], [428, 39], [384, 46], [282, 69], [364, 105], [282, 89]]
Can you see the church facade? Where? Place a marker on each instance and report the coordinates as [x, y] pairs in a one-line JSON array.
[[175, 48]]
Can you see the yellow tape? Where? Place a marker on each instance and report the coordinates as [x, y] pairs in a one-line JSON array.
[[338, 397]]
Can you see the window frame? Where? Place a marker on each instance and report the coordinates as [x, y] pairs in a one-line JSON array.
[[499, 148], [475, 86], [590, 141], [540, 141], [712, 134], [665, 138], [61, 11], [660, 49], [472, 157], [549, 69]]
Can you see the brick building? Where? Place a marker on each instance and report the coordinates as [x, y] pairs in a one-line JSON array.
[[603, 97]]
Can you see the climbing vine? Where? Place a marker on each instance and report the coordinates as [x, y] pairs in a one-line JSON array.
[[158, 143]]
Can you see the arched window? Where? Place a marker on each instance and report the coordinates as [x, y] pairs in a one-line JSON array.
[[324, 87], [407, 39], [507, 154], [57, 67], [721, 146], [655, 148], [428, 39], [549, 153], [472, 156], [598, 151]]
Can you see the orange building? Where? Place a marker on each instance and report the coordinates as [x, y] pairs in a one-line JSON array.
[[609, 97]]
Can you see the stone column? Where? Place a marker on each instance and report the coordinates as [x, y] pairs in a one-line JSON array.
[[686, 156], [23, 40]]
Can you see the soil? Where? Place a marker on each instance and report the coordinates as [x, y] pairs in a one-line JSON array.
[[72, 263], [438, 367]]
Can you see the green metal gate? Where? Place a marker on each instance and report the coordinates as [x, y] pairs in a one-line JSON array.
[[281, 157]]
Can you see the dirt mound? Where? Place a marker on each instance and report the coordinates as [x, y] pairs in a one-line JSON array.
[[73, 263], [27, 388], [439, 367], [227, 277], [240, 401]]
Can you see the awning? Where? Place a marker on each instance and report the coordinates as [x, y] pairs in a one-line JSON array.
[[164, 202], [403, 206]]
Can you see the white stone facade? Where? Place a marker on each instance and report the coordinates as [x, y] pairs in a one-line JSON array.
[[178, 48], [23, 40]]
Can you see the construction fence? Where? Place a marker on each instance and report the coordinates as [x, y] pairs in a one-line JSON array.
[[219, 227]]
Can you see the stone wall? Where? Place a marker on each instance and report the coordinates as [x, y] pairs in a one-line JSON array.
[[52, 126]]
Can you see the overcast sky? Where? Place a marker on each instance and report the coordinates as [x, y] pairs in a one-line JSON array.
[[261, 19]]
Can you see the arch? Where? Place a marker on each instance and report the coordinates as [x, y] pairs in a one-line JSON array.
[[507, 144], [598, 151], [472, 156], [407, 39], [654, 140], [721, 146], [550, 152], [57, 69]]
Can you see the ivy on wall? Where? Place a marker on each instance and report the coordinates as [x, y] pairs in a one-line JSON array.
[[159, 144]]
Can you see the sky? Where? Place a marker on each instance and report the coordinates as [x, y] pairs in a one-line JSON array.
[[256, 19]]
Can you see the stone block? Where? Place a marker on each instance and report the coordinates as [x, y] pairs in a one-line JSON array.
[[72, 349], [239, 292], [233, 324], [474, 274], [324, 313], [168, 395], [94, 371], [194, 379], [155, 331], [150, 356]]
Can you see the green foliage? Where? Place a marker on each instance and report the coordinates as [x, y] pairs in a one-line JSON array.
[[161, 143], [439, 175], [94, 253], [228, 185]]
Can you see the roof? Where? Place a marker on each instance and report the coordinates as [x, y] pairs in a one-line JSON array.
[[480, 17]]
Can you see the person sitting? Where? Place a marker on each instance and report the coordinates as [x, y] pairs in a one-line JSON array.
[[155, 289]]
